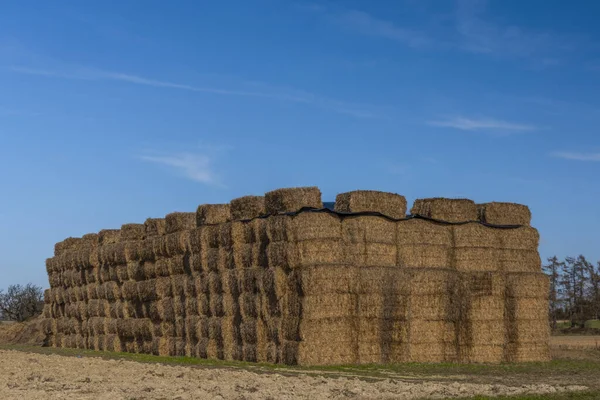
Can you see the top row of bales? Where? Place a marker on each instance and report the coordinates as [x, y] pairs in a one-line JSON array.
[[294, 199]]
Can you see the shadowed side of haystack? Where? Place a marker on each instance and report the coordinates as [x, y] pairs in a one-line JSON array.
[[259, 281]]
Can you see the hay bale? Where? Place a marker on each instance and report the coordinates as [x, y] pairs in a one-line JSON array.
[[523, 238], [133, 232], [155, 227], [329, 306], [442, 209], [390, 204], [477, 235], [139, 250], [519, 260], [527, 285], [146, 290], [67, 244], [504, 213], [166, 309], [210, 214], [292, 199], [476, 259], [179, 221], [482, 353], [247, 207], [109, 236], [226, 260], [311, 226]]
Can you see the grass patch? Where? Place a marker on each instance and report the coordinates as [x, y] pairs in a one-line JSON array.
[[592, 324]]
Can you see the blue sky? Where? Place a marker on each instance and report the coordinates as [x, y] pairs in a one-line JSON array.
[[113, 112]]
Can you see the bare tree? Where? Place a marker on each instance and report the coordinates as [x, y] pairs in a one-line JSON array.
[[21, 302], [552, 269]]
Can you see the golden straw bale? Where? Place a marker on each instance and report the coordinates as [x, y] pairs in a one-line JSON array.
[[161, 267], [491, 332], [166, 309], [196, 262], [391, 204], [292, 199], [520, 260], [203, 305], [179, 221], [146, 290], [429, 307], [139, 250], [133, 232], [242, 256], [442, 209], [247, 303], [329, 306], [109, 236], [210, 214], [325, 279], [529, 352], [383, 305], [176, 265], [202, 328], [482, 353], [201, 284], [534, 285], [477, 235], [384, 331], [528, 308], [215, 284], [504, 213], [431, 281], [528, 331], [90, 239], [216, 305], [486, 308], [424, 331], [155, 227], [242, 233], [129, 290], [226, 260], [424, 256], [310, 354], [112, 291], [247, 207], [314, 226], [309, 253], [211, 259], [279, 228], [163, 287], [523, 238], [476, 259], [67, 244]]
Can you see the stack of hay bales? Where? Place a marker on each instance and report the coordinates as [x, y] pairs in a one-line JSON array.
[[259, 281]]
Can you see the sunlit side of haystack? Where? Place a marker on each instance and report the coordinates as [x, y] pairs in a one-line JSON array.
[[257, 280]]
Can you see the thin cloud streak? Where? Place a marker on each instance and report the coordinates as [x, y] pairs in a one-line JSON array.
[[470, 124], [197, 167], [594, 157], [293, 96]]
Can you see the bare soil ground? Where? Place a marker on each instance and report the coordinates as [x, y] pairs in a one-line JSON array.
[[39, 376]]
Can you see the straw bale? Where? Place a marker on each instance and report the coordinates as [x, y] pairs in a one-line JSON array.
[[329, 306], [450, 210], [247, 302], [528, 330], [528, 308], [424, 256], [306, 253], [491, 332], [179, 221], [214, 328], [242, 232], [167, 329], [504, 213], [520, 260], [390, 204], [155, 227], [90, 239], [476, 235], [163, 287], [191, 306], [424, 331], [176, 265], [486, 308], [129, 290], [66, 244], [383, 331], [247, 207], [279, 228], [146, 290], [215, 283], [535, 285], [210, 214], [139, 250], [196, 262], [226, 260], [191, 332], [133, 232], [310, 354], [216, 305], [202, 328], [109, 236], [116, 309], [313, 226], [476, 259], [112, 291], [112, 253], [230, 282], [523, 238], [326, 279], [202, 284], [431, 281], [324, 331], [161, 267], [230, 336], [292, 199], [430, 307], [248, 279], [530, 352], [204, 305], [482, 353], [180, 326], [211, 259], [166, 309]]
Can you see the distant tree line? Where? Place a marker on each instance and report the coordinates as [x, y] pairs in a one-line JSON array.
[[574, 290]]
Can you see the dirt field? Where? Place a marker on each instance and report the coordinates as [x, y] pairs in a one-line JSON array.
[[38, 376], [575, 342]]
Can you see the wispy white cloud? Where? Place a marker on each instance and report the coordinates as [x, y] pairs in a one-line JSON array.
[[197, 167], [481, 124], [274, 93], [577, 156], [369, 25]]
